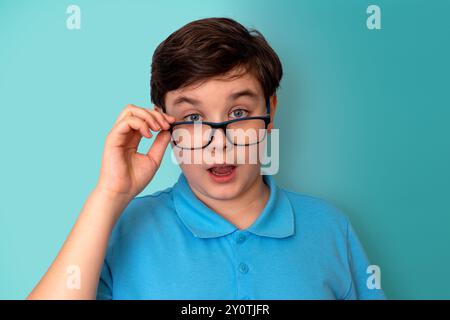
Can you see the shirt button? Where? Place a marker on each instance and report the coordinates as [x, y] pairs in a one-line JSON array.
[[243, 268], [240, 238]]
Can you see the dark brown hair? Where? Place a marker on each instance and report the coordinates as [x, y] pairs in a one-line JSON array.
[[212, 47]]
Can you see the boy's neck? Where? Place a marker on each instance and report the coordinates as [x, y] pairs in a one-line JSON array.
[[243, 210]]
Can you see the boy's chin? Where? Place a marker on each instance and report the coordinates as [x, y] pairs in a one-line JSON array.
[[221, 194], [222, 191]]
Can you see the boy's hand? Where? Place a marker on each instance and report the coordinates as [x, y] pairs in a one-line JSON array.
[[124, 172]]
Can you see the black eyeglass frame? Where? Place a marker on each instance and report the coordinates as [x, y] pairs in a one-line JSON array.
[[223, 125]]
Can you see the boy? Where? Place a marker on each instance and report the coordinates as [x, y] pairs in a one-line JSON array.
[[223, 231]]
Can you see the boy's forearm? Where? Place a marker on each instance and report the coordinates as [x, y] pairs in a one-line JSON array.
[[84, 250]]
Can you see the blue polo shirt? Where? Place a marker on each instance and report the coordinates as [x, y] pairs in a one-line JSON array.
[[170, 245]]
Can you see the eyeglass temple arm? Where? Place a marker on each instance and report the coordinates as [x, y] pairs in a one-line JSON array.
[[268, 105]]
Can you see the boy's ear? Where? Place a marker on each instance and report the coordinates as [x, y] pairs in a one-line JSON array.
[[159, 109], [273, 108]]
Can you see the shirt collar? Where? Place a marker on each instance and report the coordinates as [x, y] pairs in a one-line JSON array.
[[276, 220]]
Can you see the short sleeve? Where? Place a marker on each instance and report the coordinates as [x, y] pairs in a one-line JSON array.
[[359, 264], [104, 289]]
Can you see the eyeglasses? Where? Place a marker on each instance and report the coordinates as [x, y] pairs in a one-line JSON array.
[[191, 135]]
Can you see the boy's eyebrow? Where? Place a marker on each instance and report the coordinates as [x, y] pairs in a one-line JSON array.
[[186, 99], [242, 93]]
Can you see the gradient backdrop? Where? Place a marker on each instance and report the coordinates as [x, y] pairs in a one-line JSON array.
[[363, 117]]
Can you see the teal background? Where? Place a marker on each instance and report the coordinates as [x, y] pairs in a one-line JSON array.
[[363, 118]]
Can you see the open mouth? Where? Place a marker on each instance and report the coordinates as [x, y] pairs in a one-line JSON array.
[[222, 173], [222, 170]]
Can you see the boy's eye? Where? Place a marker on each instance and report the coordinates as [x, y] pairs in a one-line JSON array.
[[192, 117], [238, 113]]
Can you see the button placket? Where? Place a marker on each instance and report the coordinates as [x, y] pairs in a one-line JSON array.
[[243, 268], [242, 265], [241, 238]]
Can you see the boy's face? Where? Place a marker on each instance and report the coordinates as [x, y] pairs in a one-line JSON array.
[[215, 100]]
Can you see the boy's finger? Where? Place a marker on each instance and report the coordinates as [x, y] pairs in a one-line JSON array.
[[144, 114], [133, 123], [127, 111], [168, 117], [161, 119], [158, 147]]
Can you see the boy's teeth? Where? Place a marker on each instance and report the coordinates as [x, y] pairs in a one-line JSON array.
[[223, 170]]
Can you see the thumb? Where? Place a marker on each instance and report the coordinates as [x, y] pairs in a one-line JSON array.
[[158, 147]]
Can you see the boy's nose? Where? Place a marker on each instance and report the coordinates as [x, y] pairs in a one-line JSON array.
[[219, 140]]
